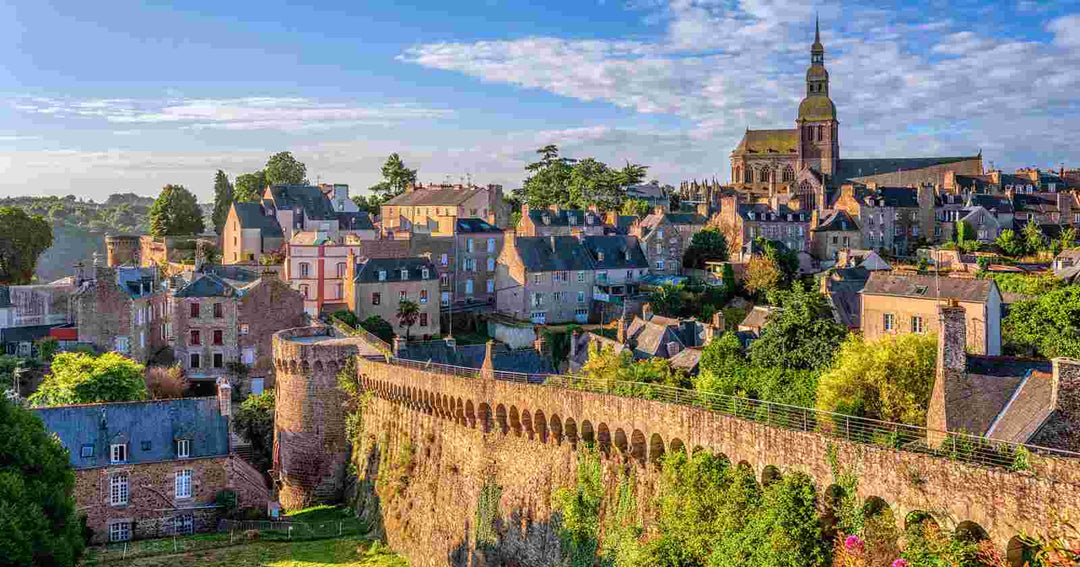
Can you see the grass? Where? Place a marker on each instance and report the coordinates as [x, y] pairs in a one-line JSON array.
[[343, 552], [322, 513]]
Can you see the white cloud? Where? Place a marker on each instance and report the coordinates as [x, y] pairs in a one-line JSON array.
[[249, 113], [1066, 30]]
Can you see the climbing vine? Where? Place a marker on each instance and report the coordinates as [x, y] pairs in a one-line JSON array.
[[578, 506], [487, 509]]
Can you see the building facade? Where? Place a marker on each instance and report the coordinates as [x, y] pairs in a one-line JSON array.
[[545, 280], [557, 221], [123, 310], [378, 286], [433, 209], [664, 237]]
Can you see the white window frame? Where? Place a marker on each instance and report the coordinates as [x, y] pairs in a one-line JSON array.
[[468, 244], [119, 493], [491, 245], [183, 483], [917, 324], [183, 448], [491, 264], [118, 453], [468, 286], [120, 531], [659, 263], [424, 273], [581, 297], [382, 275], [580, 277], [404, 274], [889, 322]]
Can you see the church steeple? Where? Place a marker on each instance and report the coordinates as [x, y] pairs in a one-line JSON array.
[[817, 78], [819, 130]]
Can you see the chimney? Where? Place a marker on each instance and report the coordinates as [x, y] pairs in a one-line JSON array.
[[398, 342], [718, 322], [620, 333], [646, 312], [673, 348], [224, 397], [952, 382], [488, 368], [541, 345]]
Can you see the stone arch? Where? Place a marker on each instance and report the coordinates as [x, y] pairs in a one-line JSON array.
[[916, 517], [723, 457], [332, 366], [789, 174], [697, 449], [460, 412], [515, 421], [540, 422], [638, 448], [748, 175], [745, 465], [527, 424], [556, 428], [318, 366], [470, 415], [570, 430], [1018, 553], [484, 415], [769, 475], [763, 174], [656, 448], [500, 419], [875, 505], [587, 433], [970, 531], [677, 445], [603, 437], [621, 442]]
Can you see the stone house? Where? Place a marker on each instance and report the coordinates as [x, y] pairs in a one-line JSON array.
[[227, 315], [891, 218], [465, 259], [1001, 398], [545, 279], [557, 221], [152, 469], [620, 266], [996, 215], [773, 220], [377, 286], [433, 209], [123, 310], [894, 304], [1044, 208], [664, 237], [835, 233], [300, 207], [250, 231]]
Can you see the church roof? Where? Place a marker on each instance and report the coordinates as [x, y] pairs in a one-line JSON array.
[[816, 107], [769, 141], [849, 169]]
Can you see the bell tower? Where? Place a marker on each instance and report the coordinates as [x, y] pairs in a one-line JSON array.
[[819, 130]]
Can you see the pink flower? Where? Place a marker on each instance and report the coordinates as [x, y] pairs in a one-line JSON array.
[[900, 563], [853, 544]]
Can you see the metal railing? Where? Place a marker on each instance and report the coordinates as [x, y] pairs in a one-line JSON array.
[[854, 429], [363, 333]]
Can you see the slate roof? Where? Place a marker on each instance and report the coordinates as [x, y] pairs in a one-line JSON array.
[[307, 197], [552, 254], [863, 167], [615, 250], [843, 292], [992, 203], [769, 141], [765, 213], [435, 195], [928, 287], [252, 215], [26, 334], [622, 224], [1036, 202], [650, 338], [901, 197], [586, 340], [149, 428], [647, 191], [5, 296], [688, 359], [525, 360], [563, 217], [368, 272], [472, 225], [980, 183], [1011, 395], [209, 285], [354, 221], [136, 281], [837, 221], [687, 218]]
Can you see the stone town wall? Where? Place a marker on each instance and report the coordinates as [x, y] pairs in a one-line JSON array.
[[535, 429]]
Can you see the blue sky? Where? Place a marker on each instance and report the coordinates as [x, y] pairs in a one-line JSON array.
[[97, 98]]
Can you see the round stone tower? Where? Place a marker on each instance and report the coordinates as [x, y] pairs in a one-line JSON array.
[[311, 451], [123, 249]]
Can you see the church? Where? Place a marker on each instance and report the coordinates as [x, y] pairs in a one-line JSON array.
[[803, 164]]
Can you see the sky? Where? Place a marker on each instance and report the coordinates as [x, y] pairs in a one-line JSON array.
[[106, 97]]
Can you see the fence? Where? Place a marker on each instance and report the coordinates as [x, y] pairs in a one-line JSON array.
[[363, 333], [957, 446], [229, 532]]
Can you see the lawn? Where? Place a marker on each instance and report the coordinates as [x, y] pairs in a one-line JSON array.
[[344, 552]]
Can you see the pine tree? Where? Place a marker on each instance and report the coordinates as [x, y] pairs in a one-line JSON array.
[[223, 199]]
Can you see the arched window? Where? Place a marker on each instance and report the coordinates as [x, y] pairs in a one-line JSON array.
[[820, 132], [763, 175], [789, 174], [737, 174], [804, 187], [748, 176]]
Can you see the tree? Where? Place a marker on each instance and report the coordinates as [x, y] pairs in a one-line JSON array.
[[800, 334], [548, 181], [37, 484], [1044, 327], [80, 378], [407, 314], [283, 168], [1068, 238], [708, 244], [255, 423], [23, 238], [787, 260], [634, 208], [963, 232], [396, 177], [667, 299], [889, 379], [249, 187], [379, 327], [731, 283], [1009, 244], [223, 199], [762, 275], [175, 213], [1034, 239]]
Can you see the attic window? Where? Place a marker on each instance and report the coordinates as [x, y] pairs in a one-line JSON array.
[[547, 219], [382, 275], [572, 219], [404, 273], [920, 290], [627, 255], [600, 255], [751, 216], [86, 451], [789, 217]]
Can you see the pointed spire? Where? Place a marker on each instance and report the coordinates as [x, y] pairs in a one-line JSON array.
[[817, 29]]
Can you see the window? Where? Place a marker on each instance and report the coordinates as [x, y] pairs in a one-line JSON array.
[[580, 277], [917, 325], [659, 263], [194, 310], [469, 244], [888, 321], [183, 448], [339, 290], [382, 274], [219, 337], [423, 296], [424, 273], [491, 286], [423, 319], [538, 299], [443, 259], [468, 286], [120, 531], [404, 274], [142, 339], [244, 329], [536, 278], [581, 297], [581, 312], [491, 245], [138, 317], [601, 277], [196, 338], [304, 291], [183, 483], [146, 446], [629, 275], [184, 525], [491, 264], [87, 451], [660, 233], [219, 360], [219, 310], [341, 269], [403, 296], [194, 360], [444, 279], [557, 297], [446, 298], [470, 264], [118, 489], [305, 269], [247, 356]]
